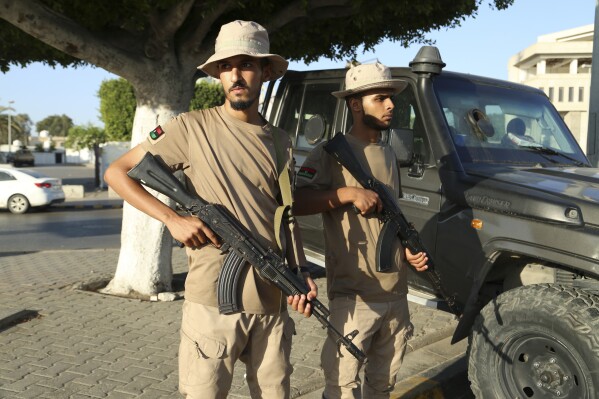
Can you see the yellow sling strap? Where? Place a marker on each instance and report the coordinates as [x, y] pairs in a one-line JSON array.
[[283, 170]]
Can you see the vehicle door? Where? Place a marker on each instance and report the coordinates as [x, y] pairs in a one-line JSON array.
[[302, 102], [420, 182], [8, 187]]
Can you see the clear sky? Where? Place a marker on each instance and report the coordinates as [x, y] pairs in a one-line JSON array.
[[482, 45]]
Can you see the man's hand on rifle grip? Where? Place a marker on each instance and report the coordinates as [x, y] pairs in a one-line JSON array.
[[365, 201], [300, 303], [418, 261], [191, 231]]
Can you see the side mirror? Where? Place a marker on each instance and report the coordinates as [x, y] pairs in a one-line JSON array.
[[314, 129], [402, 143]]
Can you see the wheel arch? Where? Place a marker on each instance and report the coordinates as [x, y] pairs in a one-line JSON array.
[[488, 280]]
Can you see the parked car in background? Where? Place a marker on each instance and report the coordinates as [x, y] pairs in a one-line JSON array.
[[22, 189], [21, 157]]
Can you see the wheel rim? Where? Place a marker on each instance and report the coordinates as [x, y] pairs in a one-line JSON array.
[[540, 366], [18, 204]]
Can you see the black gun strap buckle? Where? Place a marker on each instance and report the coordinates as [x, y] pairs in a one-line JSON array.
[[350, 336], [288, 215]]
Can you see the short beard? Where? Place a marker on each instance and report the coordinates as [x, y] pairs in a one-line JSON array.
[[242, 105], [373, 123]]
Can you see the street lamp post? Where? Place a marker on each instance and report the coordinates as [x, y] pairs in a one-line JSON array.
[[9, 129]]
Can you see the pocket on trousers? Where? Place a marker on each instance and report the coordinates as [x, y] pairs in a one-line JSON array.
[[199, 357], [205, 347]]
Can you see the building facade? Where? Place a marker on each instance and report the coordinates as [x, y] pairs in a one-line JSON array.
[[560, 64]]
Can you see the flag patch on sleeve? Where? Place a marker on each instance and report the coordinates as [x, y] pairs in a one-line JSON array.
[[307, 172], [156, 133]]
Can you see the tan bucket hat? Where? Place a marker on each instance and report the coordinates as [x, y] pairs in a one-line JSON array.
[[243, 37], [369, 76]]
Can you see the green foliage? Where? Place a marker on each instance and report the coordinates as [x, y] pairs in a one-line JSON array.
[[86, 136], [299, 30], [20, 126], [117, 108], [129, 16], [56, 125], [207, 95], [117, 105], [20, 49]]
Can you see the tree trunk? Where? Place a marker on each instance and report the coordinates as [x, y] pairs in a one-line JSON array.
[[144, 267]]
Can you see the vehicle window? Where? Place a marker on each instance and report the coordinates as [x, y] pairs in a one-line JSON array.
[[494, 124], [406, 115], [6, 176], [305, 101]]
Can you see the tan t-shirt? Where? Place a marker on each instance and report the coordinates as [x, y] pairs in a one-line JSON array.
[[350, 239], [233, 163]]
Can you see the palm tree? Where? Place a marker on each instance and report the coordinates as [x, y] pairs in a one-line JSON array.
[[20, 126]]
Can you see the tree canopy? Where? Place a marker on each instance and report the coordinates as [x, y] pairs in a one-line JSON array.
[[300, 29], [117, 108], [207, 95], [85, 136], [56, 125]]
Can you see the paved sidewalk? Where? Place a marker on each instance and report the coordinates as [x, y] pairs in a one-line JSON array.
[[58, 341]]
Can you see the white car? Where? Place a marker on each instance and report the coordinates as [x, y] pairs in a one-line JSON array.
[[22, 189]]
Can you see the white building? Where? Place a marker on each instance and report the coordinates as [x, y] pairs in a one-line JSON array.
[[560, 64]]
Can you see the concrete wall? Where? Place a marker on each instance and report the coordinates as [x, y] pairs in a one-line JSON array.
[[111, 151]]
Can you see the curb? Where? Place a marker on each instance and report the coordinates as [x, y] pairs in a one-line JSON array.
[[443, 381], [448, 378], [88, 205], [430, 338]]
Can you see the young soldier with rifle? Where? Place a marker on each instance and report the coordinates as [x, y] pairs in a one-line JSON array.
[[230, 156], [361, 297]]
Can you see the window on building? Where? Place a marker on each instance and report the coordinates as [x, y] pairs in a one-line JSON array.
[[581, 94], [550, 94], [560, 94], [584, 65], [557, 65], [570, 94]]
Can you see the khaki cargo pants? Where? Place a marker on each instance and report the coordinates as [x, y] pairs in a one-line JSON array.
[[211, 343], [384, 329]]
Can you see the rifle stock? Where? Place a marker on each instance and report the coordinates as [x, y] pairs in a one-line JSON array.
[[242, 248], [395, 222]]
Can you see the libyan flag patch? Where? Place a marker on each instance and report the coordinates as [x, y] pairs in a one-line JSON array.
[[156, 133], [306, 172]]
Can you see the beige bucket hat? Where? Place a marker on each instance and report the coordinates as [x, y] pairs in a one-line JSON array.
[[369, 76], [243, 37]]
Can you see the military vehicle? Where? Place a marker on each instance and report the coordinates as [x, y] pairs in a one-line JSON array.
[[511, 218]]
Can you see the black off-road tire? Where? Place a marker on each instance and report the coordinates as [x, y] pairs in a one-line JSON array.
[[537, 341]]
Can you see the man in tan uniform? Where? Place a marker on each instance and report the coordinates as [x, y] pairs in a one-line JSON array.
[[229, 155], [361, 298]]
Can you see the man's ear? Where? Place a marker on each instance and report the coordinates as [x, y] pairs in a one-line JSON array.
[[355, 104], [266, 72]]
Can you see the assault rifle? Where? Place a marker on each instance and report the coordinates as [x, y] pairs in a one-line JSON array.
[[242, 248], [395, 223]]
